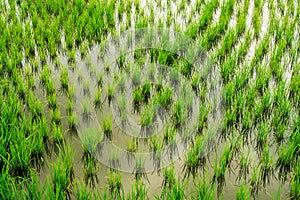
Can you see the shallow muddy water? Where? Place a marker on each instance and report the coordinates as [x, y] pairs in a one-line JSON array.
[[88, 68]]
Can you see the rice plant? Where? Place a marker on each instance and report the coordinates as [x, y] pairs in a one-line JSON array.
[[294, 190], [52, 101], [122, 108], [57, 133], [107, 127], [110, 92], [90, 138], [139, 170], [72, 119], [115, 160], [179, 113], [90, 167], [70, 106], [244, 166], [262, 136], [137, 99], [177, 190], [81, 192], [146, 92], [64, 80], [252, 46], [86, 87], [266, 166], [100, 80], [115, 184], [243, 193], [97, 98], [86, 109], [255, 182], [221, 168], [164, 98], [195, 158], [204, 190], [136, 77], [55, 115], [138, 191], [31, 188], [63, 173]]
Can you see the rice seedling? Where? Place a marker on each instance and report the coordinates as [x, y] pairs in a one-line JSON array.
[[88, 61], [146, 92], [284, 161], [52, 101], [37, 148], [202, 118], [229, 41], [34, 106], [204, 190], [155, 144], [136, 77], [262, 136], [90, 168], [164, 97], [244, 165], [72, 120], [100, 80], [195, 83], [177, 191], [115, 184], [266, 166], [97, 98], [70, 106], [121, 62], [256, 20], [86, 87], [137, 99], [139, 170], [45, 74], [255, 182], [294, 190], [63, 173], [71, 55], [139, 191], [20, 158], [247, 123], [71, 91], [107, 66], [243, 193], [90, 139], [64, 80], [80, 76], [147, 118], [107, 127], [86, 109], [207, 14], [174, 77], [221, 168], [195, 159], [110, 92], [191, 163], [84, 49], [179, 113], [57, 133], [55, 115], [81, 192], [31, 188], [121, 82], [122, 108]]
